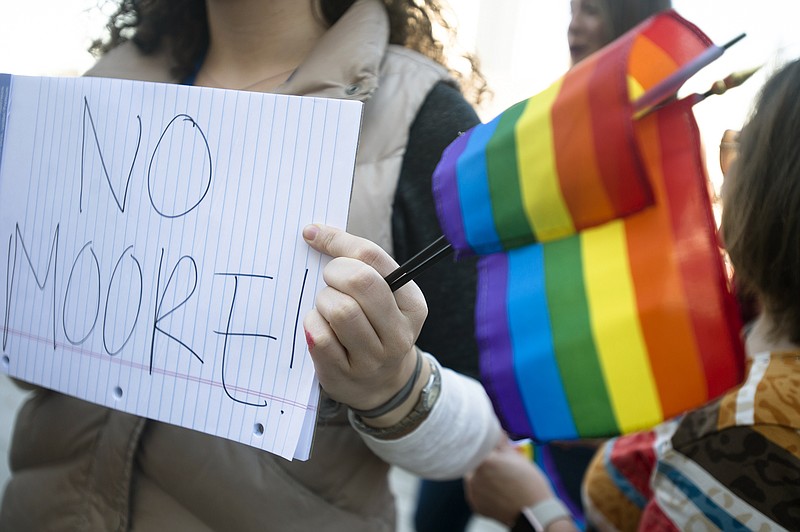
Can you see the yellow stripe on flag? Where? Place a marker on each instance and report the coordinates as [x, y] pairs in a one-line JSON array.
[[635, 88], [616, 329], [540, 190]]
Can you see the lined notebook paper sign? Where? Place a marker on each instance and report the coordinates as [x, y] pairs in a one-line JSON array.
[[152, 251], [621, 315]]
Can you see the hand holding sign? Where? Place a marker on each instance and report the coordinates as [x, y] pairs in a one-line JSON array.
[[360, 335]]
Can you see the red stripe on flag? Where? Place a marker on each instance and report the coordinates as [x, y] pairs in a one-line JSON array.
[[673, 34], [612, 128], [704, 282]]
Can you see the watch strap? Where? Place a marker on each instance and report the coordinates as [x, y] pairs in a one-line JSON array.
[[398, 398], [541, 514], [418, 414]]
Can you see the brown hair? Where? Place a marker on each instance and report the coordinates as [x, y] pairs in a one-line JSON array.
[[623, 15], [148, 22], [761, 199]]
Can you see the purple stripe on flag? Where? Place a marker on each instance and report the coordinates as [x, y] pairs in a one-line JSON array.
[[547, 463], [445, 190], [494, 341]]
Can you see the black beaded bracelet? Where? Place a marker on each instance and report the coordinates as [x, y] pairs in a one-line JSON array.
[[398, 398]]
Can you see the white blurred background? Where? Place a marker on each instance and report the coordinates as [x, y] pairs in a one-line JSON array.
[[522, 48]]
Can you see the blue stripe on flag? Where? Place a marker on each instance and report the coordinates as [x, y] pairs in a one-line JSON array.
[[534, 357], [473, 190]]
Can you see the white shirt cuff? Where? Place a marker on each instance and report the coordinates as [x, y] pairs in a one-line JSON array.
[[459, 432]]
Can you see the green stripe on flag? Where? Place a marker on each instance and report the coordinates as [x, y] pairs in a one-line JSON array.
[[503, 174], [572, 339]]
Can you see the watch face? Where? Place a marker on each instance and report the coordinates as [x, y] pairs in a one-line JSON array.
[[431, 390], [430, 400]]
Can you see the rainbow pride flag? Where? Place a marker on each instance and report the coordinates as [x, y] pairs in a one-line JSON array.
[[566, 159], [621, 316]]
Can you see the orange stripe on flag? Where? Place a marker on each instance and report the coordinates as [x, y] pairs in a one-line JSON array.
[[666, 324], [579, 177], [649, 63]]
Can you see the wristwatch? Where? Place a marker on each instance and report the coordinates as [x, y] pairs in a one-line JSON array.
[[427, 399]]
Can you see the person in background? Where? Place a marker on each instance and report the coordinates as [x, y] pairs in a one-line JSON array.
[[441, 506], [109, 470], [595, 23], [734, 463], [728, 150], [512, 490]]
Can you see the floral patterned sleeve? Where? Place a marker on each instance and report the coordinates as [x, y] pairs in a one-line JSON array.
[[616, 487], [733, 464]]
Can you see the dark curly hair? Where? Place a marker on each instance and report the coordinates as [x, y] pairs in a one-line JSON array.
[[148, 22]]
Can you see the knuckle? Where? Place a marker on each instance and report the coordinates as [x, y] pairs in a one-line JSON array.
[[363, 280], [322, 341], [408, 340], [344, 311], [370, 254], [324, 300]]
